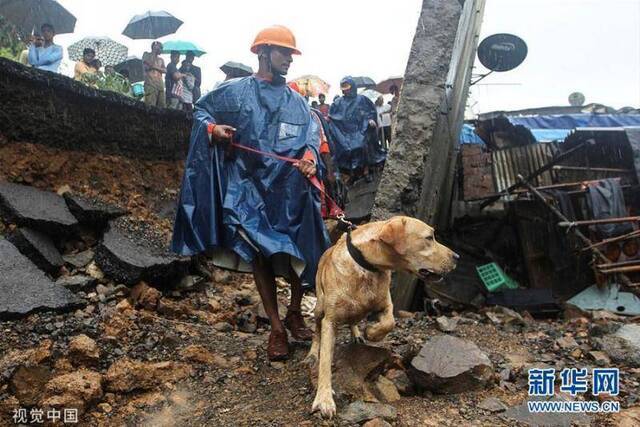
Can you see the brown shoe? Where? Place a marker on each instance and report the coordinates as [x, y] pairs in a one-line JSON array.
[[295, 324], [278, 346]]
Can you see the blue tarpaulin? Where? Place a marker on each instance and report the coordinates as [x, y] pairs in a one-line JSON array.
[[235, 203], [557, 127], [469, 136]]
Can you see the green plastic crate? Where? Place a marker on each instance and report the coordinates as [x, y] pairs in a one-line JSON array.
[[494, 278]]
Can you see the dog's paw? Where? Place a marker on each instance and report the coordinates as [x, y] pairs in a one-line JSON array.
[[358, 340], [324, 404], [311, 360]]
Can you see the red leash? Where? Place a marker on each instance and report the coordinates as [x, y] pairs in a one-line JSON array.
[[334, 210]]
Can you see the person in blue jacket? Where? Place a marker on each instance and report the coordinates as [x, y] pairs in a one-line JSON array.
[[48, 56], [251, 212], [353, 127]]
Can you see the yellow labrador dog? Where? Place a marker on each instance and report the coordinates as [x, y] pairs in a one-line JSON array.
[[353, 280]]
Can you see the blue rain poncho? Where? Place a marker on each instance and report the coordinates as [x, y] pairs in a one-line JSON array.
[[356, 145], [233, 203]]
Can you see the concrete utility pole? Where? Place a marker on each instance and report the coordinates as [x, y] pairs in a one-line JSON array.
[[418, 177]]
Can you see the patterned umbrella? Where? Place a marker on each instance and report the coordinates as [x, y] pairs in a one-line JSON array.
[[152, 25], [312, 85], [29, 15], [108, 51], [385, 85]]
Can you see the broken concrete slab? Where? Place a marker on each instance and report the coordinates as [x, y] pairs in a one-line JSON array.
[[39, 248], [92, 212], [44, 211], [446, 324], [360, 411], [76, 283], [24, 288], [126, 261], [492, 404], [355, 363], [79, 260], [448, 364]]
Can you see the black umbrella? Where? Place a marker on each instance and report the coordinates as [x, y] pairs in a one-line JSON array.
[[134, 67], [152, 25], [236, 69], [365, 82], [29, 15]]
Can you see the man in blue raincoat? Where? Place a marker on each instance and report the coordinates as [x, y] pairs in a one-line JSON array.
[[248, 211], [352, 123]]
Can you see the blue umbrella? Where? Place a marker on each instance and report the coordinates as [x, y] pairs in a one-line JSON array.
[[29, 15], [152, 25], [183, 47]]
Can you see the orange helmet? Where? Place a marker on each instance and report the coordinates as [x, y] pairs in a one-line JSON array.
[[276, 35]]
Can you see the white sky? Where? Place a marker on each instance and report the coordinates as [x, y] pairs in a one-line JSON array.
[[592, 46]]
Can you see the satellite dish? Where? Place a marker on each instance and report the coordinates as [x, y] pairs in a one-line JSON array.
[[576, 99], [502, 52]]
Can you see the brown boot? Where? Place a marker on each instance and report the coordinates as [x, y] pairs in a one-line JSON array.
[[278, 346], [295, 323]]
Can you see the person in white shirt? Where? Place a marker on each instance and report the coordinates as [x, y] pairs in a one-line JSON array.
[[384, 121]]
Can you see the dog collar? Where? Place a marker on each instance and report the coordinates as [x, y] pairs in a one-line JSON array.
[[358, 257]]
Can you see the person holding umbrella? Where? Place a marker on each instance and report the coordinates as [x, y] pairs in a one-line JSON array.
[[49, 56], [249, 211], [153, 71], [85, 65]]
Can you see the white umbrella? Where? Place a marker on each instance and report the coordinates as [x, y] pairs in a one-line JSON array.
[[108, 51]]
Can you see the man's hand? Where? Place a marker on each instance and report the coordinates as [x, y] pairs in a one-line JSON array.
[[372, 124], [307, 168], [222, 133]]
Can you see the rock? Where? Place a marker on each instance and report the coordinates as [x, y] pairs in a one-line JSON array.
[[126, 375], [623, 346], [376, 422], [142, 295], [79, 260], [629, 417], [200, 354], [41, 210], [401, 380], [446, 324], [386, 390], [214, 305], [75, 390], [83, 350], [39, 248], [567, 342], [173, 309], [94, 271], [247, 321], [600, 357], [8, 405], [105, 407], [76, 283], [360, 411], [27, 384], [128, 262], [447, 364], [102, 290], [355, 363], [223, 327], [492, 404], [402, 314], [93, 213], [521, 414], [24, 288], [516, 361], [221, 276]]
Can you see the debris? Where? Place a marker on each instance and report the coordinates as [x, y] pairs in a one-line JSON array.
[[75, 390], [600, 357], [127, 262], [567, 342], [83, 350], [27, 383], [247, 321], [386, 390], [623, 346], [376, 422], [94, 271], [142, 295], [223, 327], [629, 417], [24, 288], [355, 363], [360, 411], [200, 354], [79, 260], [172, 309], [401, 380], [42, 210], [126, 375], [608, 298], [521, 414], [447, 364], [76, 283], [221, 276], [39, 248], [492, 404], [93, 213], [446, 324]]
